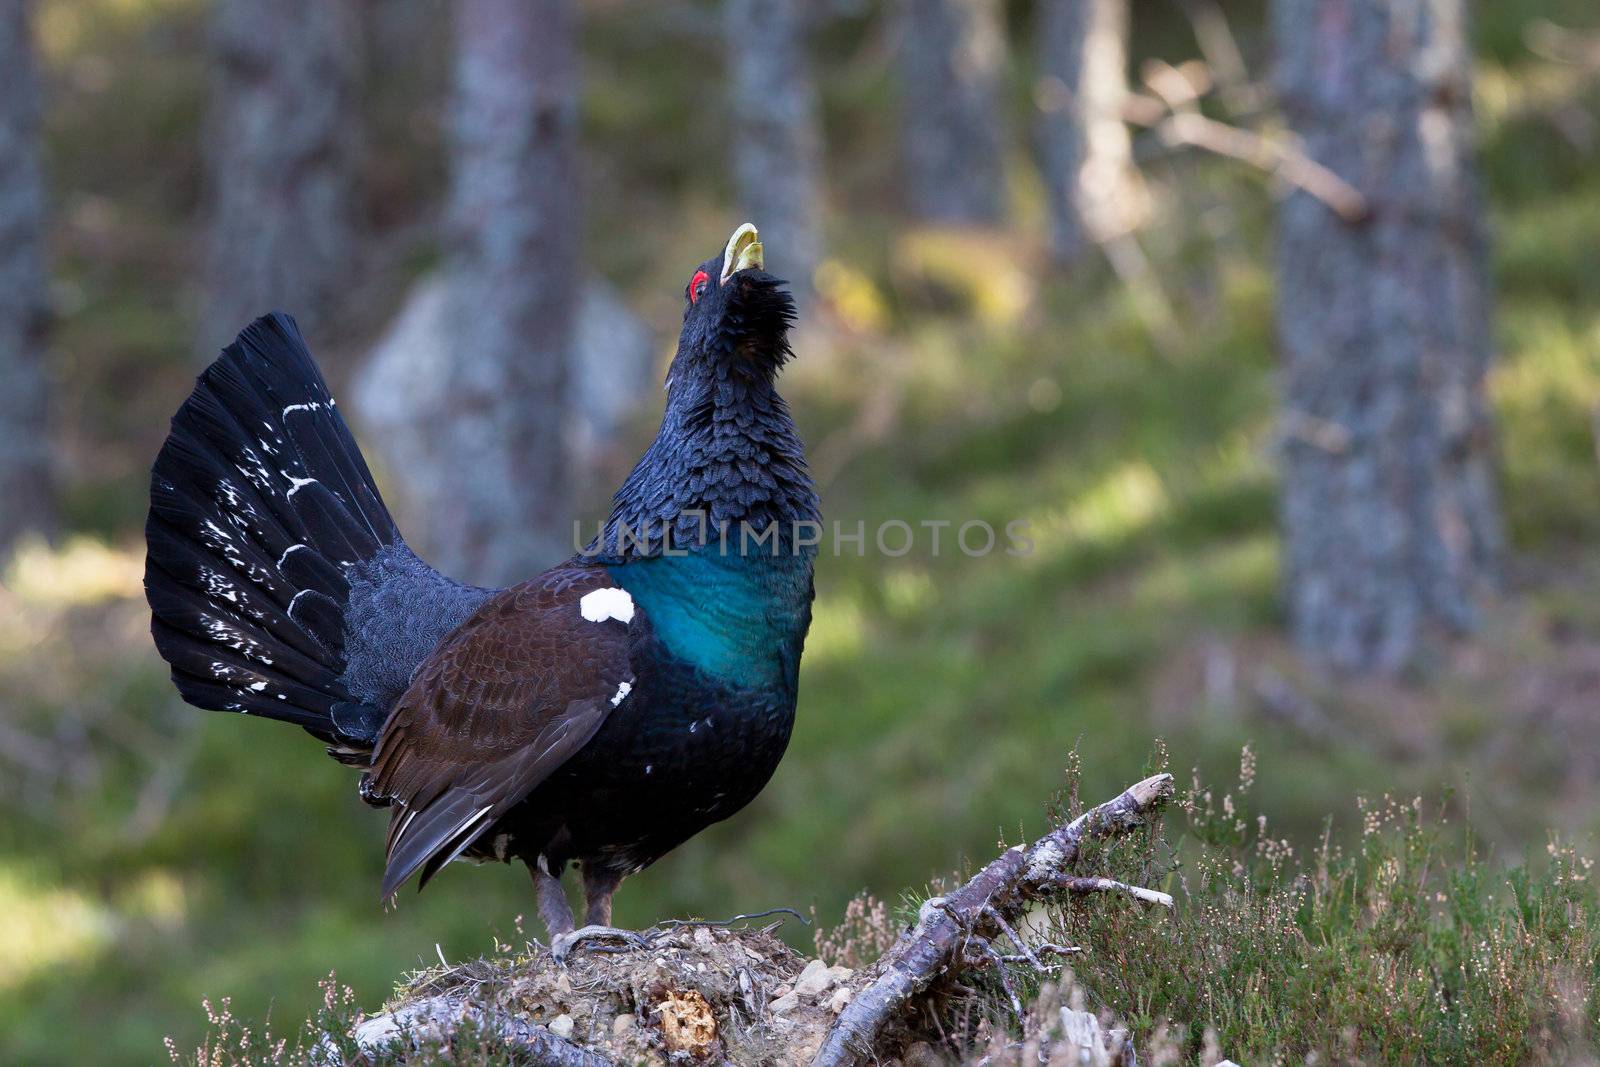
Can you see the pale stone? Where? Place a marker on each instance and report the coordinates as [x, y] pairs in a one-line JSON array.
[[561, 1026], [813, 980], [622, 1024]]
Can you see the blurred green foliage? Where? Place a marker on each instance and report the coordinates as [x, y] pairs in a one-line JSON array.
[[179, 855]]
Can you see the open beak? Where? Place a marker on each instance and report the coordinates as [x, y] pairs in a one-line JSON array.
[[744, 251]]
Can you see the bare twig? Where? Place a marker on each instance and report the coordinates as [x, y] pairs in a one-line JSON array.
[[1006, 886], [1150, 300], [1022, 946], [1223, 56], [673, 924], [1107, 885], [987, 948], [1274, 155], [1563, 45], [1171, 110]]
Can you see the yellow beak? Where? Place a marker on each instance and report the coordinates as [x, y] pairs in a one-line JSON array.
[[744, 251]]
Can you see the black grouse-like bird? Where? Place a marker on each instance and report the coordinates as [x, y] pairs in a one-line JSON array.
[[600, 713]]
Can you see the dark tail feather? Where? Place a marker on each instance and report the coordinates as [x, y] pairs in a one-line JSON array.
[[260, 501]]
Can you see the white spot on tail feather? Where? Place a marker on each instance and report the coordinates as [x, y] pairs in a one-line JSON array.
[[603, 604], [297, 484], [285, 555]]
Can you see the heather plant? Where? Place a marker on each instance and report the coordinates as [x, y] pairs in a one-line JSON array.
[[229, 1041], [1403, 944]]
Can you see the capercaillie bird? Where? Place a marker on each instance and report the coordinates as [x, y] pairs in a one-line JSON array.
[[600, 713]]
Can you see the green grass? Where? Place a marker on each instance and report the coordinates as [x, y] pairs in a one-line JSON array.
[[184, 855]]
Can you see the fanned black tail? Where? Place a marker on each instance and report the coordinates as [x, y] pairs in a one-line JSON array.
[[261, 511]]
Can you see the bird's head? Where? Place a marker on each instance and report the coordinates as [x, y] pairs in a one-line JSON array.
[[727, 451], [736, 316]]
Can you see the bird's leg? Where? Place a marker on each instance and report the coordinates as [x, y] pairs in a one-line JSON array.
[[554, 911], [598, 886]]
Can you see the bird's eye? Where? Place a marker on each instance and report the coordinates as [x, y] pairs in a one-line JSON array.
[[697, 286]]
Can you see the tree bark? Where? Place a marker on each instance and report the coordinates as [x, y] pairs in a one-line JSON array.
[[281, 163], [951, 57], [27, 501], [1390, 520], [777, 146], [515, 270], [1085, 151], [403, 400]]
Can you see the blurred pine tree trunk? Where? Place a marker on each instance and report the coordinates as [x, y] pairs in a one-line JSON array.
[[27, 501], [952, 55], [516, 273], [1085, 152], [1391, 524], [281, 161], [777, 145]]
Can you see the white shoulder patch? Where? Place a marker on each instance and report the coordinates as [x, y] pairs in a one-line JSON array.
[[623, 689], [603, 604]]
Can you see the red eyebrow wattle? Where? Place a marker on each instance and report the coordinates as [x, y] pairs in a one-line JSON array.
[[700, 277]]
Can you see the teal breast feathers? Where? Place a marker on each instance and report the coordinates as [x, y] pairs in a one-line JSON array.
[[742, 619]]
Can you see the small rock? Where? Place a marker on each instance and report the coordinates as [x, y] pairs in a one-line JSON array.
[[783, 990], [622, 1024], [841, 998], [840, 973], [786, 1003], [814, 979], [561, 1026], [703, 936]]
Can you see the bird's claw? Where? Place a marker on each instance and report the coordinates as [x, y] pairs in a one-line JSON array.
[[562, 945]]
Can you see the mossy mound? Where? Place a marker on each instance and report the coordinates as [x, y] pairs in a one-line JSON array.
[[691, 993]]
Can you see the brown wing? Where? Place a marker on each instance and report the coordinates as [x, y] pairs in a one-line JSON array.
[[501, 703]]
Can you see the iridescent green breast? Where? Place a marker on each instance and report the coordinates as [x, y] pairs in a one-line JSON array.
[[740, 618]]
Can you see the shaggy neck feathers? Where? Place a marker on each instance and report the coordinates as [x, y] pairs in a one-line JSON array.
[[727, 456]]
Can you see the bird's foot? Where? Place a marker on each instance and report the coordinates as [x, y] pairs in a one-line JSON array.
[[561, 945]]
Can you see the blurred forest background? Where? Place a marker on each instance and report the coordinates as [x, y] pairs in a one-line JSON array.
[[1279, 322]]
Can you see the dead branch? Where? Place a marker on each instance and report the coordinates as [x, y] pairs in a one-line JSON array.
[[433, 1021], [1106, 885], [1171, 110], [1223, 55], [1270, 154], [1000, 891]]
